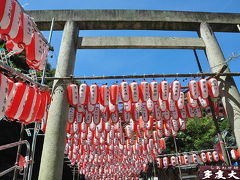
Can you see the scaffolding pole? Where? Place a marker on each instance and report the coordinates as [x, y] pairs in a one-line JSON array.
[[36, 126], [177, 154]]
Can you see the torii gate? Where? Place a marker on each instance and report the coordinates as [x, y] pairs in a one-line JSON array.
[[71, 21]]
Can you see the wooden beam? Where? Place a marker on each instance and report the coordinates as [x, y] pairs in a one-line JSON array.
[[97, 19], [140, 43]]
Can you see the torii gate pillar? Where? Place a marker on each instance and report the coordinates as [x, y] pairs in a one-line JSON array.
[[229, 91], [54, 142]]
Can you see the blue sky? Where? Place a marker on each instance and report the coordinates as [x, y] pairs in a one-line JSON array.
[[123, 62]]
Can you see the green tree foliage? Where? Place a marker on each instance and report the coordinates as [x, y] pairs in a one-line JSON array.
[[199, 135]]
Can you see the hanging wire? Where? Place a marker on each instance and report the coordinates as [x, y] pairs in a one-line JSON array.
[[227, 61], [187, 75]]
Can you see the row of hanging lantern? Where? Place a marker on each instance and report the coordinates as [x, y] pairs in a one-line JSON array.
[[144, 92], [96, 106], [22, 102], [19, 32], [104, 141], [186, 159]]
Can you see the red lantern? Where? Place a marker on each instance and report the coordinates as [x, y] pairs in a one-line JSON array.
[[26, 30], [96, 116], [175, 124], [157, 112], [159, 163], [11, 91], [83, 94], [18, 102], [190, 111], [13, 27], [215, 156], [35, 108], [183, 113], [145, 114], [126, 116], [114, 94], [115, 117], [164, 90], [181, 160], [175, 90], [165, 162], [193, 89], [34, 51], [150, 105], [93, 94], [31, 97], [71, 114], [79, 117], [135, 113], [194, 158], [124, 91], [134, 92], [213, 87], [104, 95], [72, 94], [209, 156], [186, 159], [171, 106], [180, 102], [43, 105], [198, 112], [105, 114], [203, 88], [6, 13], [234, 154], [173, 161], [154, 91], [144, 91], [203, 157], [175, 114], [88, 117]]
